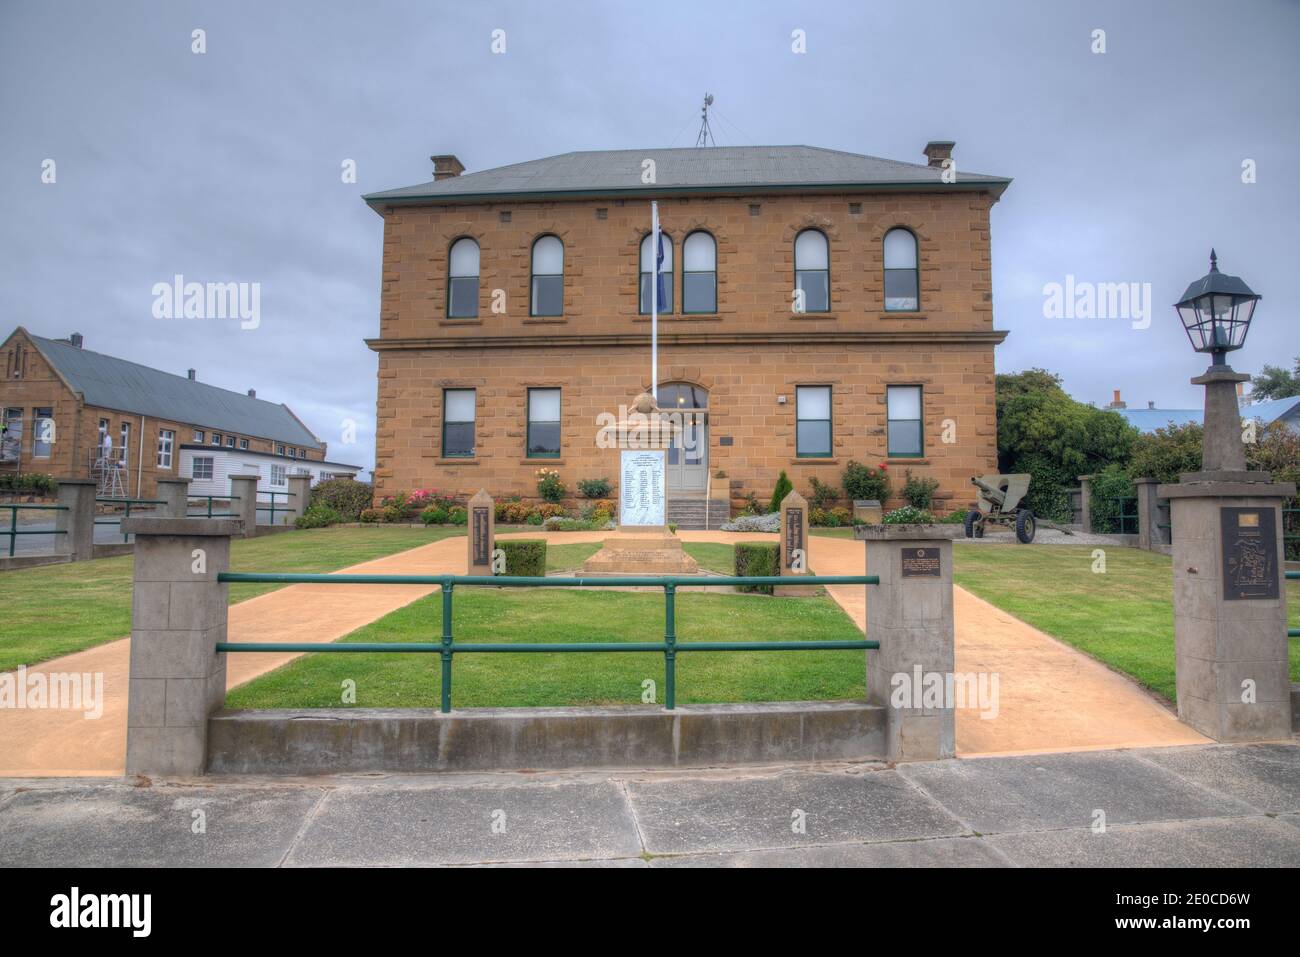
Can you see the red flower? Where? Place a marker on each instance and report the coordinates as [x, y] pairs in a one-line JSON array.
[[884, 467]]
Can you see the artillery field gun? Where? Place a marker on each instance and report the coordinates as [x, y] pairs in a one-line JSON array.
[[999, 497]]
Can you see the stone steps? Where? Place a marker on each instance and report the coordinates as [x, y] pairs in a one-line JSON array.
[[688, 513]]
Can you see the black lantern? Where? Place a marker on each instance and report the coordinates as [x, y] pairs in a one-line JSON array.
[[1216, 311]]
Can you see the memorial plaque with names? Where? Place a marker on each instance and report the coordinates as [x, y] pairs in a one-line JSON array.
[[482, 536], [641, 488], [1250, 560], [793, 537], [921, 563]]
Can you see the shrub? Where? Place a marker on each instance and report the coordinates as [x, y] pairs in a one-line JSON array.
[[919, 492], [756, 558], [370, 516], [751, 506], [753, 523], [534, 518], [394, 513], [599, 512], [558, 524], [822, 494], [817, 517], [549, 486], [908, 515], [956, 517], [1110, 485], [514, 512], [34, 483], [525, 556], [552, 510], [783, 488], [434, 515], [318, 515], [458, 515], [863, 482], [346, 496], [594, 488], [842, 515]]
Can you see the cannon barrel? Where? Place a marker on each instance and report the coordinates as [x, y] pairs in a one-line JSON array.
[[994, 494]]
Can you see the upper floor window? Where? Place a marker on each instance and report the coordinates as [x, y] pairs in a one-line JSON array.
[[243, 443], [665, 303], [543, 423], [812, 270], [902, 280], [230, 441], [458, 423], [166, 440], [199, 435], [903, 417], [11, 435], [548, 277], [699, 273], [462, 279], [216, 438], [812, 411], [42, 433]]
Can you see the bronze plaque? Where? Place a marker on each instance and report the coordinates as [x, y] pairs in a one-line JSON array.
[[793, 535], [921, 563], [1250, 560], [482, 546]]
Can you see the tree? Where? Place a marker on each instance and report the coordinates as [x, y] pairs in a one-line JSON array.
[[1044, 432], [1275, 382], [1167, 452]]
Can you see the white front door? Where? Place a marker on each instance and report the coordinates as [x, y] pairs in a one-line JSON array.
[[688, 457]]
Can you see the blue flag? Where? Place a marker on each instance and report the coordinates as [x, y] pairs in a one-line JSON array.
[[659, 275]]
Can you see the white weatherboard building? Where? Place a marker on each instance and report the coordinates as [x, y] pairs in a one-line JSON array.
[[209, 469]]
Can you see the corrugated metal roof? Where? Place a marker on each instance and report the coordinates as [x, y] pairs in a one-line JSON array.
[[113, 383], [1148, 420], [699, 168]]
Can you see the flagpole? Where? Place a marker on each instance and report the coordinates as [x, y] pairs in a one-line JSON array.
[[654, 302]]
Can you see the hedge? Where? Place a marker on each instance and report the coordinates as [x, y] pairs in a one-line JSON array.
[[526, 556], [757, 558]]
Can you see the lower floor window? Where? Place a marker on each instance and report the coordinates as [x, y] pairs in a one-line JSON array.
[[812, 404], [903, 414], [543, 423], [458, 423], [277, 475], [202, 467]]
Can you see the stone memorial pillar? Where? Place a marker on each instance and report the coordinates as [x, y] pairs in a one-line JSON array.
[[793, 549], [482, 533], [910, 614], [244, 504], [175, 494], [178, 614], [77, 520]]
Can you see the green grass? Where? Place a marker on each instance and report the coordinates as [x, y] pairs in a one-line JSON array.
[[55, 610], [1123, 617], [711, 556], [570, 616]]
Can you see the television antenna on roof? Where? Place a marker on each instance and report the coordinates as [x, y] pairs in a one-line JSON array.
[[706, 134]]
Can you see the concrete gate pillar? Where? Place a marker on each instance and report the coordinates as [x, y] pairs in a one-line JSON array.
[[1150, 535], [77, 520], [176, 494], [178, 614], [1085, 502], [910, 614], [299, 496], [244, 505]]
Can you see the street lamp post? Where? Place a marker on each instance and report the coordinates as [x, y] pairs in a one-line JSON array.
[[1230, 631]]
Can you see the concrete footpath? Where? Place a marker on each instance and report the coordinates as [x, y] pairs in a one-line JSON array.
[[1218, 806], [1051, 697]]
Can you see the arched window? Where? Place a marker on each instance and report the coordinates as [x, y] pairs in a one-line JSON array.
[[462, 279], [902, 279], [548, 277], [699, 273], [647, 271], [812, 270]]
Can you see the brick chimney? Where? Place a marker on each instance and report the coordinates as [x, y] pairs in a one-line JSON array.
[[189, 374], [76, 339], [252, 393], [1117, 402], [936, 151], [446, 166]]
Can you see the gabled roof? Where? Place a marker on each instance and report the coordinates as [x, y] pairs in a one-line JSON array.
[[1148, 420], [1271, 410], [713, 169], [112, 383]]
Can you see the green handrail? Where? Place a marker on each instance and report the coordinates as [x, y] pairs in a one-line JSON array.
[[210, 499], [270, 506], [447, 648], [13, 532], [126, 513]]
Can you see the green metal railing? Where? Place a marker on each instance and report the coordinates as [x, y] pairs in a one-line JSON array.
[[1128, 514], [270, 506], [14, 531], [209, 499], [1293, 632], [447, 648], [126, 513]]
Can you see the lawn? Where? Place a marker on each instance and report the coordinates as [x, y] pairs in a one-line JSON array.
[[572, 616], [711, 556], [54, 610], [1123, 616]]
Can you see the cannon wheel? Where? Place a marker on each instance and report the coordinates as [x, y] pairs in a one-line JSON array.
[[974, 524], [1025, 526]]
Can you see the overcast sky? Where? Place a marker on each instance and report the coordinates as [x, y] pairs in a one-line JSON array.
[[226, 166]]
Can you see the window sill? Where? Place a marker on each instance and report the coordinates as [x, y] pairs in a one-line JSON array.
[[908, 459], [545, 320], [471, 321], [456, 460], [916, 316], [813, 316], [541, 461], [682, 317], [815, 460]]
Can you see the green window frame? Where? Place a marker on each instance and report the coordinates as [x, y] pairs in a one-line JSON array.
[[814, 430], [543, 433], [458, 432], [905, 421]]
